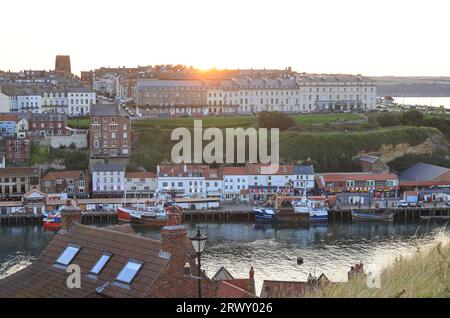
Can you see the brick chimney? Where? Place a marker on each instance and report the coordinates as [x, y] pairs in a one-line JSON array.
[[175, 282], [251, 281], [70, 214]]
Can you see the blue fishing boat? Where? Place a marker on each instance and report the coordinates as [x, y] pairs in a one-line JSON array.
[[264, 214]]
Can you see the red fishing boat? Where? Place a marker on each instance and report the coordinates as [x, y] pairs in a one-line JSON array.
[[52, 222]]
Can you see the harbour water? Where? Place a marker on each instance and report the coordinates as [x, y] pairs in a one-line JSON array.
[[424, 101], [272, 251]]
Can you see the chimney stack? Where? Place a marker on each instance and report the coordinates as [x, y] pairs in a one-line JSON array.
[[70, 214]]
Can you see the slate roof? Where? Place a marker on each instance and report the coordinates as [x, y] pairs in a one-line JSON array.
[[106, 110], [108, 167], [303, 170], [423, 171], [43, 279]]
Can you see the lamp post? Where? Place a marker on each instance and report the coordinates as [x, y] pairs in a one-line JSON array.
[[199, 242]]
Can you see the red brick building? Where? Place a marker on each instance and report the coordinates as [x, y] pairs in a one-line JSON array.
[[74, 183], [47, 124], [109, 132], [357, 182], [17, 150]]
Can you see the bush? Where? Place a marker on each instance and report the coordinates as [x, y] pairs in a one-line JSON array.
[[275, 120], [388, 120], [412, 117]]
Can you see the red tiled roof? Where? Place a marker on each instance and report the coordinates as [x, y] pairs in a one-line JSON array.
[[178, 170], [140, 175], [227, 290], [243, 283], [342, 177], [283, 289], [235, 171], [8, 117], [58, 175], [42, 279]]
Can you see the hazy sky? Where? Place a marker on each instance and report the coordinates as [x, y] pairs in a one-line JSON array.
[[382, 37]]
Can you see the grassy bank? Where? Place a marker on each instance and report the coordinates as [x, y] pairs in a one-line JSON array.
[[424, 274], [328, 151]]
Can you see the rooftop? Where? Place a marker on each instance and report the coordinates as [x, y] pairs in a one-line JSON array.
[[106, 110], [423, 172]]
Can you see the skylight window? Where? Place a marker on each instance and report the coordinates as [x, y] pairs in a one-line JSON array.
[[128, 273], [98, 267], [68, 255]]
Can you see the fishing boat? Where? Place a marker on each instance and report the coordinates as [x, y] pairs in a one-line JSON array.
[[310, 208], [361, 216], [52, 222], [264, 214], [143, 215]]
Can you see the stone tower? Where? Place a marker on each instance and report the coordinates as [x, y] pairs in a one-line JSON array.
[[62, 64]]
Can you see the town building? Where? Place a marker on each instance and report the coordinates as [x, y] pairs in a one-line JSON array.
[[8, 122], [252, 183], [109, 132], [88, 78], [141, 184], [74, 183], [372, 164], [330, 92], [381, 184], [47, 124], [428, 182], [80, 101], [171, 97], [108, 180], [17, 150], [15, 182], [295, 289], [55, 101], [182, 180]]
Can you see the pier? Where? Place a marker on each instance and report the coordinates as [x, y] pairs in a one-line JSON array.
[[242, 214]]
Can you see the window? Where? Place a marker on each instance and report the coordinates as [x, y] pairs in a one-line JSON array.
[[128, 273], [68, 255], [98, 267]]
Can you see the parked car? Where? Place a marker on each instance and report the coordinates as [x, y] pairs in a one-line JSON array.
[[403, 204], [421, 204], [412, 204], [448, 202]]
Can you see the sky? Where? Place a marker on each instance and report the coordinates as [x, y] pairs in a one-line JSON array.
[[370, 37]]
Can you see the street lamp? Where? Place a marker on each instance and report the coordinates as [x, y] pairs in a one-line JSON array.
[[199, 242]]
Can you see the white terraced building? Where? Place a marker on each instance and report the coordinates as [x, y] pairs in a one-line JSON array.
[[336, 93], [245, 95]]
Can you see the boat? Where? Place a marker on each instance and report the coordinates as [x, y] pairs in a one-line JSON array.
[[311, 208], [361, 216], [264, 214], [147, 215], [52, 222]]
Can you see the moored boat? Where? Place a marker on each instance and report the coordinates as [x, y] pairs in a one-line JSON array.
[[361, 216], [52, 222], [264, 214]]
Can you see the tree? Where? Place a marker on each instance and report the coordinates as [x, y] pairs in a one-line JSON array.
[[275, 120]]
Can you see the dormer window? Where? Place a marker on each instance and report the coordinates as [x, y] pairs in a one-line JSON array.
[[68, 255]]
